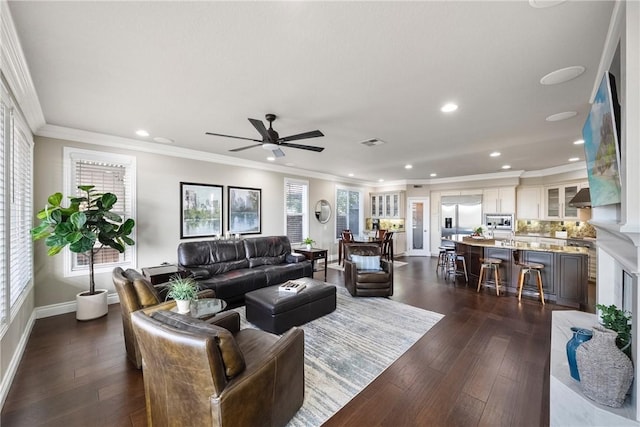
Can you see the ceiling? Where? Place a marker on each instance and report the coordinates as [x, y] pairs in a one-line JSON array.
[[354, 70]]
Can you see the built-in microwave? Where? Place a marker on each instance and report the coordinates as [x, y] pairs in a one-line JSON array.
[[498, 221]]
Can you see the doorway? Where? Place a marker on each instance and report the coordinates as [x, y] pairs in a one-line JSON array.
[[418, 226]]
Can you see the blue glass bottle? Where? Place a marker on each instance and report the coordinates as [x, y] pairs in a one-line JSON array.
[[580, 335]]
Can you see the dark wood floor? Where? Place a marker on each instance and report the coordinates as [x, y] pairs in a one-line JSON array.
[[485, 363]]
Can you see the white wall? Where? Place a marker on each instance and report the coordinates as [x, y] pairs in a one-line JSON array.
[[158, 209]]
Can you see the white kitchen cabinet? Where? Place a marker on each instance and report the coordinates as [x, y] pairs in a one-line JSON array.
[[557, 198], [499, 200], [387, 205], [529, 202]]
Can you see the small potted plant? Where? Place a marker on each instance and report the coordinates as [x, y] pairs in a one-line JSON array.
[[617, 320], [309, 242], [183, 290]]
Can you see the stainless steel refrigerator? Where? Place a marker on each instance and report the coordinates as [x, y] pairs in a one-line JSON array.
[[460, 214]]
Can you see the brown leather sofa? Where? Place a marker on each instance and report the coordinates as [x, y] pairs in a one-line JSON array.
[[214, 374], [231, 268], [136, 292], [375, 280]]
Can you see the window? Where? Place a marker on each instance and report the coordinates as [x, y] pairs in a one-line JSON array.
[[296, 199], [112, 173], [16, 208], [348, 210]]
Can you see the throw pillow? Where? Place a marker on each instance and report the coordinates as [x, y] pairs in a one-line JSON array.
[[364, 262], [231, 355]]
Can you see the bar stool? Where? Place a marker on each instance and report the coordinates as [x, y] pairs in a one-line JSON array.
[[442, 257], [490, 263], [526, 268], [452, 258]]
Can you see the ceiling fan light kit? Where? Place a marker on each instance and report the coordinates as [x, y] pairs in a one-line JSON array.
[[271, 140]]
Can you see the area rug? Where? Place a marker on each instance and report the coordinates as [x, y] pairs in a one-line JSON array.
[[335, 266], [348, 348]]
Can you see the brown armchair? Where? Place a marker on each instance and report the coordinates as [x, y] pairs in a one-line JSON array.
[[136, 292], [198, 373], [365, 272]]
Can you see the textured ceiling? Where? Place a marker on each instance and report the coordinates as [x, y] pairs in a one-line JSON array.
[[354, 70]]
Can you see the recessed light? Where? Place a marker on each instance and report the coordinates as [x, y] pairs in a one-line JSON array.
[[574, 159], [448, 108], [561, 116], [350, 174], [562, 75], [433, 174], [381, 180], [163, 140], [408, 166], [271, 158], [506, 167], [495, 154], [578, 142], [142, 132]]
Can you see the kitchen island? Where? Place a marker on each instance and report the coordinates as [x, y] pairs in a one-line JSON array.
[[564, 276]]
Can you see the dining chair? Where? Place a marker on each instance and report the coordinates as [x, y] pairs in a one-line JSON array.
[[346, 237], [387, 246]]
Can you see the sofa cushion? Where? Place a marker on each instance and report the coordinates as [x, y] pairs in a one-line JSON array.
[[365, 262], [231, 355], [271, 250], [216, 256]]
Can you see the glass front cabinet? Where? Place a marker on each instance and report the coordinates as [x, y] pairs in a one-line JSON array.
[[557, 200], [387, 205]]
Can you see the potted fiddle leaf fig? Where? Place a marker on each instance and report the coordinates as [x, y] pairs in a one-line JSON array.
[[86, 221]]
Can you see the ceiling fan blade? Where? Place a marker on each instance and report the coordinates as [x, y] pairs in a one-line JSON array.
[[302, 147], [247, 147], [278, 152], [306, 135], [231, 136], [261, 129]]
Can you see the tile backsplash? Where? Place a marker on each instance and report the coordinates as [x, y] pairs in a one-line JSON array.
[[573, 228]]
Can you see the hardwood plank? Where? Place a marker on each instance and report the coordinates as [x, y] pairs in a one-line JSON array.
[[484, 363]]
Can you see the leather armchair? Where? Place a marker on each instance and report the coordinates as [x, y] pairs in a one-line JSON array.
[[198, 373], [375, 282], [136, 292]]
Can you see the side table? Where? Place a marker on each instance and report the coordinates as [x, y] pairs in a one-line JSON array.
[[162, 273], [314, 254]]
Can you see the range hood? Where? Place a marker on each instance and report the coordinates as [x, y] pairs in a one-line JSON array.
[[582, 199]]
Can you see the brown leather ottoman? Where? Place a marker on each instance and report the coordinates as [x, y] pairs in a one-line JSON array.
[[275, 311]]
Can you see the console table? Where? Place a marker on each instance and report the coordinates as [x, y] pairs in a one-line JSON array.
[[162, 273], [314, 254]]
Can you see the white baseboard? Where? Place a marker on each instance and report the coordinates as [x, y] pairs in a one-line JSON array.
[[66, 307], [7, 379]]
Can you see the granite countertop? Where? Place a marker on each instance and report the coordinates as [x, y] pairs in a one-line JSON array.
[[523, 246], [549, 236]]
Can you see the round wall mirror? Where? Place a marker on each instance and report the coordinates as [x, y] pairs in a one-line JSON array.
[[323, 211]]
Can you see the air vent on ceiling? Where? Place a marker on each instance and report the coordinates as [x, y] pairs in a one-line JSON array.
[[372, 142], [417, 185]]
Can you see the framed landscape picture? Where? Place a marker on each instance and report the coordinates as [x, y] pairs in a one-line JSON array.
[[200, 210], [245, 210]]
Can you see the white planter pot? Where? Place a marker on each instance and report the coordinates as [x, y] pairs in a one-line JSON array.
[[90, 307], [308, 247], [184, 305]]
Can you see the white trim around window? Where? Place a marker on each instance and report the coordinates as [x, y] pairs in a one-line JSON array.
[[72, 158]]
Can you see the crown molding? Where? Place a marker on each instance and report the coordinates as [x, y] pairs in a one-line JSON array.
[[571, 167], [94, 138], [16, 71]]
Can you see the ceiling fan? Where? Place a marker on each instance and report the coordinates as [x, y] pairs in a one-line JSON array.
[[272, 141]]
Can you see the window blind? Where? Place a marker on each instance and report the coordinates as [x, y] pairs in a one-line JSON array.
[[3, 243], [296, 209], [347, 211], [21, 253], [107, 177]]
